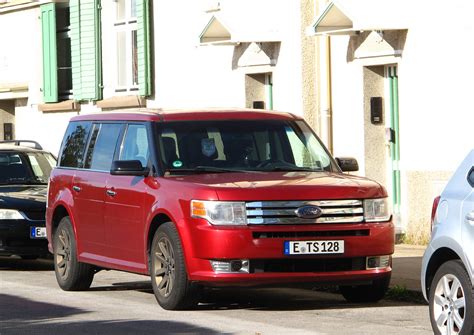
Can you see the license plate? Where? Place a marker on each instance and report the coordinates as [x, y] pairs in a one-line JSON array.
[[37, 232], [313, 247]]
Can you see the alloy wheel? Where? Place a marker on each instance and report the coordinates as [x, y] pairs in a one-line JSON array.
[[63, 254], [449, 308], [165, 273]]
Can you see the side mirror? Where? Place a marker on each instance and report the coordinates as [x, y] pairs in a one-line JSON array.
[[129, 168], [347, 164]]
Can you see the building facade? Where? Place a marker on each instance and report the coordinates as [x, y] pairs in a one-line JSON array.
[[374, 78], [400, 102]]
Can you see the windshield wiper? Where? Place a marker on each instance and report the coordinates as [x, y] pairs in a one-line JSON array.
[[290, 169], [212, 169]]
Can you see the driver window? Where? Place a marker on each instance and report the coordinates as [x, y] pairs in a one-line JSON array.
[[135, 144]]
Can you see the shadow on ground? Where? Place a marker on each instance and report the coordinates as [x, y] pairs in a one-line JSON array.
[[22, 316], [271, 299], [18, 264]]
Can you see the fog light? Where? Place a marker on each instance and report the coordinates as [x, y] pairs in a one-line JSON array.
[[232, 266], [378, 262]]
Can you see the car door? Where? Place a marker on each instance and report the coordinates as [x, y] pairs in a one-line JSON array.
[[89, 186], [467, 217], [125, 204]]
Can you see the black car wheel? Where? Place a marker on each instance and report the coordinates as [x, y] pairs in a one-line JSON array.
[[71, 274]]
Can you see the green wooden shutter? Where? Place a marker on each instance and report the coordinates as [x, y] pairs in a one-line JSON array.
[[50, 61], [143, 46], [85, 49]]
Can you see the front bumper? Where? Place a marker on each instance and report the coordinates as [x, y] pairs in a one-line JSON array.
[[15, 238], [263, 247]]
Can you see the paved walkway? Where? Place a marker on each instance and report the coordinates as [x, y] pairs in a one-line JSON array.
[[406, 270]]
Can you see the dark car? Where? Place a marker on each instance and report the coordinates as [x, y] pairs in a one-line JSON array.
[[24, 174]]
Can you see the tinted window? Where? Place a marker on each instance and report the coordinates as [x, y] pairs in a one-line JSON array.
[[258, 145], [104, 146], [25, 168], [135, 144], [470, 177], [72, 154]]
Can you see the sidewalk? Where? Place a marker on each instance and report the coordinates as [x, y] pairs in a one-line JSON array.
[[406, 266]]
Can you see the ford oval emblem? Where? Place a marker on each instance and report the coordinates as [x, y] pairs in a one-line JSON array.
[[308, 212]]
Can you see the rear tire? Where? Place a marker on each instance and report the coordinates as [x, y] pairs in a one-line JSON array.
[[71, 274], [451, 299], [168, 273], [366, 293]]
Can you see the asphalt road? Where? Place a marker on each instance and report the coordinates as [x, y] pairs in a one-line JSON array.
[[123, 303]]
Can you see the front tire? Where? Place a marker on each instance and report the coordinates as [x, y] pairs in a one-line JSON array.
[[366, 293], [451, 300], [169, 278], [71, 274]]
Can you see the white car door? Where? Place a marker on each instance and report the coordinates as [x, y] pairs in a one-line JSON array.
[[467, 218]]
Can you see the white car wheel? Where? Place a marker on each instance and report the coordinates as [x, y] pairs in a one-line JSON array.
[[451, 300]]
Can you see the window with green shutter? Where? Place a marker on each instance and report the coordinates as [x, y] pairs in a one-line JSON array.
[[86, 49], [131, 27], [56, 44]]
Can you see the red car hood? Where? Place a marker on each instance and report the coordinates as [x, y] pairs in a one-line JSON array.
[[285, 186]]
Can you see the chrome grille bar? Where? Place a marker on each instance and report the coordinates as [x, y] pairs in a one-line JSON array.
[[284, 212]]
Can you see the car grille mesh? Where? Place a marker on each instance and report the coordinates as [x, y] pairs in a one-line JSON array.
[[284, 212], [303, 234], [307, 265]]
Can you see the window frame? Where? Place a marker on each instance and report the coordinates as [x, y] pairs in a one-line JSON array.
[[128, 25]]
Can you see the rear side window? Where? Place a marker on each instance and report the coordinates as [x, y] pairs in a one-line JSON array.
[[103, 146], [470, 177], [74, 143]]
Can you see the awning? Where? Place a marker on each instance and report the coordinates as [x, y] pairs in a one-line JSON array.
[[222, 30], [348, 17]]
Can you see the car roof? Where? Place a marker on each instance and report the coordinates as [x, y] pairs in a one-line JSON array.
[[18, 148], [160, 115]]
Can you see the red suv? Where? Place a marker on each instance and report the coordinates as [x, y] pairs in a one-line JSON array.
[[214, 198]]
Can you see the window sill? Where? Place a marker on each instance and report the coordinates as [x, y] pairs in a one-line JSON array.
[[122, 102], [63, 106]]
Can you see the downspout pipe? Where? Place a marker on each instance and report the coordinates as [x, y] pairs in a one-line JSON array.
[[325, 92]]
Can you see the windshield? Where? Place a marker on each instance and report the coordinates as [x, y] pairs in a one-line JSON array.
[[253, 145], [25, 167]]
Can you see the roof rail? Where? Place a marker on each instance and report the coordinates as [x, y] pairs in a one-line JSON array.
[[18, 142]]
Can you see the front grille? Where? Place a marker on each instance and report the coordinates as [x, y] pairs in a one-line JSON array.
[[34, 215], [284, 212], [330, 233], [307, 265]]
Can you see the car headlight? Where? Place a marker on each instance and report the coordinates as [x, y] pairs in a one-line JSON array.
[[220, 213], [10, 214], [376, 210]]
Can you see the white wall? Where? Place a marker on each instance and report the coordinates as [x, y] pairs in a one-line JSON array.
[[189, 75], [347, 104], [436, 91], [20, 50]]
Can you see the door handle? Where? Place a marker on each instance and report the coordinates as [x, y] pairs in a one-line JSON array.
[[76, 188], [470, 218], [111, 193]]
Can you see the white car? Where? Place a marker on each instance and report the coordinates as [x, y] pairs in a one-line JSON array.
[[447, 274]]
